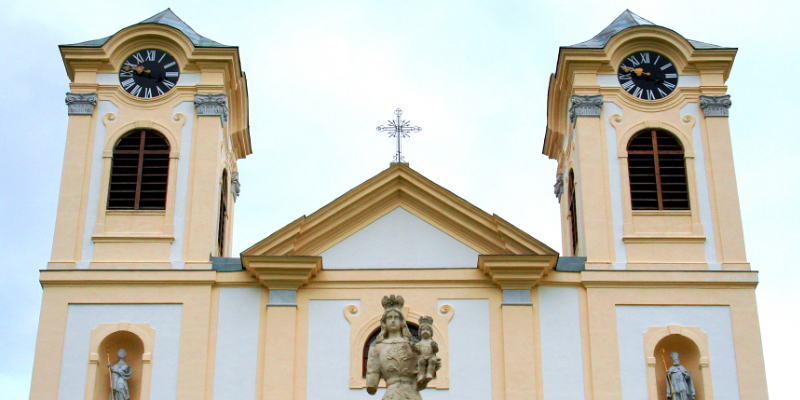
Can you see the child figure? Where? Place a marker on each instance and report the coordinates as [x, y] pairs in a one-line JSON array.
[[427, 363]]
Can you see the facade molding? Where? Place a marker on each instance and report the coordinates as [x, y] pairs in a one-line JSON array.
[[212, 105], [585, 106]]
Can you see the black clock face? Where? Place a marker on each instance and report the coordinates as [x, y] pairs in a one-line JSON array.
[[647, 75], [149, 73]]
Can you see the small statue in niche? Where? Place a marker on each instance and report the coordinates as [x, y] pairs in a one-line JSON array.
[[394, 355], [679, 380], [427, 363], [120, 373]]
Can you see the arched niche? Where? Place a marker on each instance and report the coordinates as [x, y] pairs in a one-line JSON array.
[[692, 346], [106, 341]]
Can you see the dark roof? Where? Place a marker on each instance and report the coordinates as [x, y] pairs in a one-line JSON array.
[[627, 19], [168, 18]]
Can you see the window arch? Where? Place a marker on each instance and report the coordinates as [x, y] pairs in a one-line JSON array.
[[657, 172], [139, 172], [573, 213], [412, 327], [223, 214]]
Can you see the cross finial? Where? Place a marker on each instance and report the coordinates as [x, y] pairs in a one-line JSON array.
[[400, 129]]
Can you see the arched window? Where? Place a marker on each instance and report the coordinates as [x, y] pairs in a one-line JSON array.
[[223, 214], [139, 172], [413, 328], [573, 212], [657, 172]]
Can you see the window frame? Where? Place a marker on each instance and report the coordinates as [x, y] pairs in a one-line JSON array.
[[142, 152], [658, 173]]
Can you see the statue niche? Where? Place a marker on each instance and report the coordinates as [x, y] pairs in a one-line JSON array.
[[399, 358], [688, 358], [109, 350]]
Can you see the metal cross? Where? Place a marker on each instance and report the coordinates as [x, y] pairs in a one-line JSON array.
[[400, 129]]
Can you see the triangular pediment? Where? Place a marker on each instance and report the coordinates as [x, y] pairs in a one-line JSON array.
[[400, 198]]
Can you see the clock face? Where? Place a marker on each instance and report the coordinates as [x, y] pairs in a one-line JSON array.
[[149, 73], [648, 75]]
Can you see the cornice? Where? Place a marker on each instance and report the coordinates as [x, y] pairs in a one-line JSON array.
[[669, 279], [73, 277]]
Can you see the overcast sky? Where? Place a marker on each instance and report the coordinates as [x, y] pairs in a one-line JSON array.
[[472, 74]]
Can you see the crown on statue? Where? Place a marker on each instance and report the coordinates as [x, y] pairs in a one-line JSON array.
[[392, 303], [426, 320]]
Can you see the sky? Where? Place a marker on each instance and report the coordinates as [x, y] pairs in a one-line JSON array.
[[473, 74]]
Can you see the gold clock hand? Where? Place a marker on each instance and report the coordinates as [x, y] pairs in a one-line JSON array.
[[637, 71], [139, 69]]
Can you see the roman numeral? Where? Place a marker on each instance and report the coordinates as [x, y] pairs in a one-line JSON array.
[[148, 93], [128, 63], [168, 84], [160, 92], [669, 85], [169, 65], [623, 77], [650, 95], [136, 90], [162, 57], [633, 61], [125, 74], [172, 74], [645, 58], [628, 85], [663, 94], [128, 83], [665, 66], [151, 55], [671, 76], [138, 58], [656, 61], [638, 92]]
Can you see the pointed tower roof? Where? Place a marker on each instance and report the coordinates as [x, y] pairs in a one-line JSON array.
[[627, 19], [166, 17]]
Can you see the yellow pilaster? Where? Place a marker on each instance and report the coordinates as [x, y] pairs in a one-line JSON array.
[[517, 275]]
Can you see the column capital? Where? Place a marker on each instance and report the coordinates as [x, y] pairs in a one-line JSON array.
[[585, 106], [212, 105], [80, 103], [715, 106], [558, 188], [283, 272], [516, 271]]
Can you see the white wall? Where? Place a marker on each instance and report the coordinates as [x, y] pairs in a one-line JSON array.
[[399, 239], [634, 321], [329, 352], [82, 318], [562, 355], [620, 251], [182, 184], [237, 343]]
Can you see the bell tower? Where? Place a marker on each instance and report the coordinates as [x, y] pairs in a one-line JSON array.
[[637, 120], [158, 118]]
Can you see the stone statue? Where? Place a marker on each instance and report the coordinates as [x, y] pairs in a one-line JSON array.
[[120, 373], [427, 362], [394, 355], [679, 380]]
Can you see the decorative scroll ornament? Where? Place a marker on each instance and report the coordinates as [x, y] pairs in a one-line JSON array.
[[212, 105], [81, 103], [585, 106], [400, 129], [715, 106], [237, 187], [558, 188]]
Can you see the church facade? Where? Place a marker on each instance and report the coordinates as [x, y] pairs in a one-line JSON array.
[[651, 295]]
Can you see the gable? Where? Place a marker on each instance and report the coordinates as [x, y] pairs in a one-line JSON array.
[[398, 186], [398, 240]]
